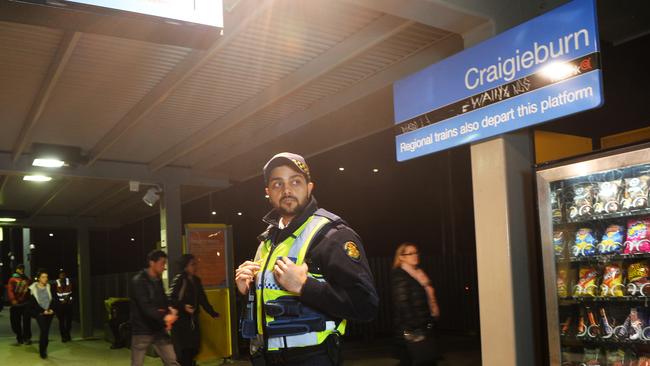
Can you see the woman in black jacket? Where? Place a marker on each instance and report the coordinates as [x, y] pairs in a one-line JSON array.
[[415, 307], [43, 303], [186, 295]]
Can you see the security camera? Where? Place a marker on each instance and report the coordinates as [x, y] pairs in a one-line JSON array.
[[152, 196]]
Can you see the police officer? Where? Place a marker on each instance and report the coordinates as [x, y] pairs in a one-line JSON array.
[[309, 276], [63, 290]]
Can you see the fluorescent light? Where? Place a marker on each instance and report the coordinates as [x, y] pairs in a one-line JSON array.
[[214, 212], [48, 163], [37, 178], [7, 219], [239, 213], [51, 235], [375, 170], [341, 168], [132, 239]]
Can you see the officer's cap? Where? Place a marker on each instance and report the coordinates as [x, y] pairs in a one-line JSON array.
[[286, 158]]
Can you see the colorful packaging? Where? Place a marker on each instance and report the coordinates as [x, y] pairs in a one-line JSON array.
[[592, 357], [587, 282], [562, 283], [558, 243], [583, 201], [612, 285], [638, 279], [608, 197], [636, 193], [612, 241], [566, 327], [607, 329], [556, 205], [615, 357], [637, 323], [643, 361], [585, 243], [638, 236]]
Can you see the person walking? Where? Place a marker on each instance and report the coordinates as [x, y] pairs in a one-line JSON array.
[[151, 313], [63, 289], [18, 294], [309, 276], [415, 308], [43, 305], [188, 296]]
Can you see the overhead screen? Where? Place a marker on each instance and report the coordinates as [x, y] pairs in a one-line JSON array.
[[206, 12]]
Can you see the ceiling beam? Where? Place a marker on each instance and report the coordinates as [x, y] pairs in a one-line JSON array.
[[175, 78], [112, 170], [100, 199], [374, 33], [434, 52], [64, 52], [55, 192], [3, 183], [439, 14]]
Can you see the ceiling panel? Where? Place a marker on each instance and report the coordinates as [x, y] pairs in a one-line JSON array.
[[79, 195], [103, 80], [25, 55], [389, 52], [288, 37]]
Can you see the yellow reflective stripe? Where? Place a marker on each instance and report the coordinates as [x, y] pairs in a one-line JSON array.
[[307, 242]]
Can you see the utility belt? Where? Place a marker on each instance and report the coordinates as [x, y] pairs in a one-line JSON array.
[[330, 347]]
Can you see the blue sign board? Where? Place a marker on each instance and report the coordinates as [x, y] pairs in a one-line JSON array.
[[540, 70]]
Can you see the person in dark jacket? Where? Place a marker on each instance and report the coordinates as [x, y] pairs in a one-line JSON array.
[[151, 313], [415, 307], [18, 294], [43, 303], [186, 295], [63, 289]]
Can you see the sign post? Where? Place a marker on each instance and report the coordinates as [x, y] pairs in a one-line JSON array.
[[541, 70]]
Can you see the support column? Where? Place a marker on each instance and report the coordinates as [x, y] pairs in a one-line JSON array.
[[502, 179], [27, 255], [171, 227], [84, 290]]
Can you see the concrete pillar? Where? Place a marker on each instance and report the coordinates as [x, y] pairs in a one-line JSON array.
[[84, 289], [27, 255], [171, 227], [502, 179]]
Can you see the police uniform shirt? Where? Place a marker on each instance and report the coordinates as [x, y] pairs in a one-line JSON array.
[[336, 253]]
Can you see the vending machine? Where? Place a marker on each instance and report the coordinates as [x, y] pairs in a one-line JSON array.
[[595, 235]]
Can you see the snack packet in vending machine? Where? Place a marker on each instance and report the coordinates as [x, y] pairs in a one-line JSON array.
[[608, 197], [638, 236], [638, 279], [612, 285], [558, 243], [612, 241], [635, 195], [587, 282], [583, 201], [584, 244]]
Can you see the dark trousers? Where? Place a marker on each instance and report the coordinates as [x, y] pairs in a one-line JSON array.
[[186, 356], [44, 322], [64, 314], [322, 359], [21, 323]]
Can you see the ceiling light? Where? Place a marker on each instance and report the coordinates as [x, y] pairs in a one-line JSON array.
[[266, 196], [151, 197], [375, 170], [132, 239], [341, 169], [32, 246], [51, 235], [214, 212], [48, 163], [7, 219], [37, 178], [239, 213], [218, 254]]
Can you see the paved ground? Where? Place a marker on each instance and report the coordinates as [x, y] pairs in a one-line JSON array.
[[458, 351]]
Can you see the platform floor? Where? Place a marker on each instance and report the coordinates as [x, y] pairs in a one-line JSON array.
[[458, 351]]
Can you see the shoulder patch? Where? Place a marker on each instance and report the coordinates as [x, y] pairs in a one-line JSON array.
[[352, 250]]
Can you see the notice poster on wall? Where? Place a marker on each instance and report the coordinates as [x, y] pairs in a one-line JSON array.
[[546, 68], [207, 242]]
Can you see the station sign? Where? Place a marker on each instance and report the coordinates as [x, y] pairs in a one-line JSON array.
[[205, 12], [543, 69]]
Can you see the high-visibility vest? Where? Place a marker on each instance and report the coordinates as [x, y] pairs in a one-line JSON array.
[[64, 290], [267, 289]]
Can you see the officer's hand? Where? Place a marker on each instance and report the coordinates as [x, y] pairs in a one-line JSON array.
[[289, 275], [245, 274]]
